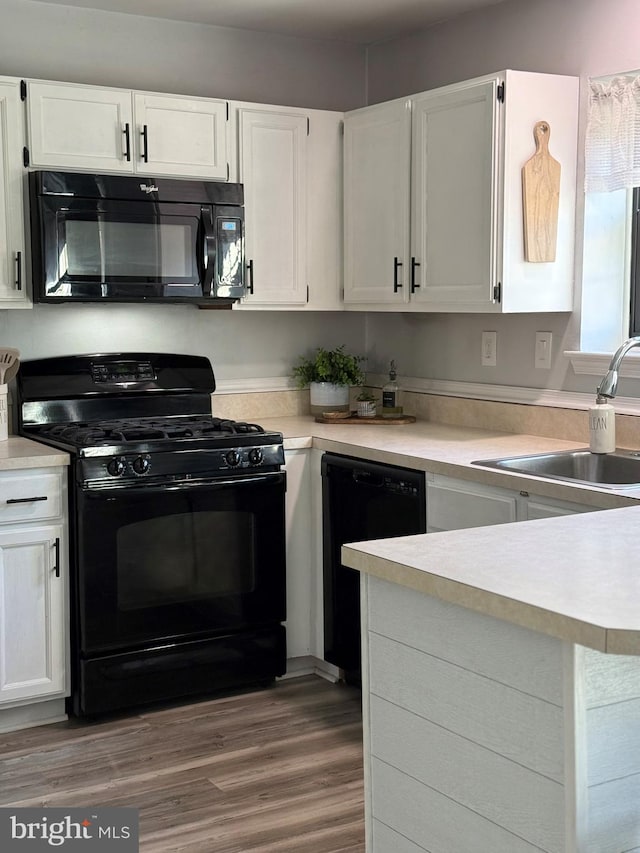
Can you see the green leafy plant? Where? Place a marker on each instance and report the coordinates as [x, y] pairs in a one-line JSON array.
[[366, 396], [335, 366]]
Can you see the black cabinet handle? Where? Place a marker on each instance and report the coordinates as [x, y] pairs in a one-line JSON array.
[[56, 546], [27, 500], [414, 264], [127, 142], [396, 266], [145, 143], [250, 276], [18, 270]]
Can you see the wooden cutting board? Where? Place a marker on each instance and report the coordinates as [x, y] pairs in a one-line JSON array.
[[354, 419], [540, 199]]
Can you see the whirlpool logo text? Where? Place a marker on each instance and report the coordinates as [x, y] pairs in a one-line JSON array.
[[103, 829]]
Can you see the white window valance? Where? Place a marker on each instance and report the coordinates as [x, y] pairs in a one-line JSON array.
[[612, 147]]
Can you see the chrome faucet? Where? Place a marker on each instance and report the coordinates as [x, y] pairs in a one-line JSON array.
[[609, 385]]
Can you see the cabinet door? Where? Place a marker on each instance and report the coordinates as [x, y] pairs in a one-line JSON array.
[[32, 613], [272, 167], [299, 552], [454, 186], [376, 203], [12, 250], [79, 127], [535, 507], [185, 137], [455, 504]]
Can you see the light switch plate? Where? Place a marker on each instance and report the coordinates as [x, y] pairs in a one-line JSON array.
[[542, 357]]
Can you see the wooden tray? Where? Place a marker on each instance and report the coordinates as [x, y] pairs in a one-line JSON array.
[[354, 419]]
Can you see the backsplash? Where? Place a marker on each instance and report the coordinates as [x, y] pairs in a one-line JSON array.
[[550, 421], [262, 404]]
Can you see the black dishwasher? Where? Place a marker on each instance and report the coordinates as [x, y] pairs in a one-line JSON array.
[[360, 500]]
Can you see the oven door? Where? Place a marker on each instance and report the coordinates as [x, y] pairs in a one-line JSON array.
[[160, 563]]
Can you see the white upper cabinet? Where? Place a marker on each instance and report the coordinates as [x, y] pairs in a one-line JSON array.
[[13, 292], [116, 130], [454, 184], [468, 144], [376, 203], [290, 163], [181, 136], [80, 127], [273, 169]]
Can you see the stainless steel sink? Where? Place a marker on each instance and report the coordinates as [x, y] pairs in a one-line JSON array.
[[619, 470]]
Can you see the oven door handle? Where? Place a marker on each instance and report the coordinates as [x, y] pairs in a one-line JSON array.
[[184, 485], [208, 252]]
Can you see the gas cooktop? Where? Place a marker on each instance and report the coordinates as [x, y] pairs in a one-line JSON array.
[[122, 431], [133, 415]]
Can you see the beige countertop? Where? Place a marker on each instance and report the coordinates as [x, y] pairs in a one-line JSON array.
[[573, 577], [17, 452], [447, 450], [576, 577]]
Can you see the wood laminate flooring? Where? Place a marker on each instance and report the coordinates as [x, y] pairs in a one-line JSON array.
[[269, 771]]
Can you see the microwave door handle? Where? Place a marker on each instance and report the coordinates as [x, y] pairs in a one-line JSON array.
[[208, 253]]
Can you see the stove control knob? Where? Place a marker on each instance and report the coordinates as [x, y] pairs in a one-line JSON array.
[[233, 458], [141, 465], [255, 456], [116, 466]]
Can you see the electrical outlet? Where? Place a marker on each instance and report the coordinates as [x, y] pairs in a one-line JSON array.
[[489, 349], [542, 357]]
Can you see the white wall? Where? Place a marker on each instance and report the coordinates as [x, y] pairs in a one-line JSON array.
[[578, 37], [241, 345], [63, 43]]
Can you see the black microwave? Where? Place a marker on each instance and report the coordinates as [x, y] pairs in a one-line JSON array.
[[101, 238]]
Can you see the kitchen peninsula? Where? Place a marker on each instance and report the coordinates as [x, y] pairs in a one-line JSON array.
[[502, 687]]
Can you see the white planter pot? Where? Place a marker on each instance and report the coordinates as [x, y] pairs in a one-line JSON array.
[[366, 408], [327, 397]]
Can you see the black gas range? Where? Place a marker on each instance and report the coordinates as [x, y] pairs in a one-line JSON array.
[[177, 552]]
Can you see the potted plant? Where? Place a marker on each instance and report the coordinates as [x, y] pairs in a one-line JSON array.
[[329, 375], [366, 404]]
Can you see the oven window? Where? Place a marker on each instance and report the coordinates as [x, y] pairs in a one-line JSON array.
[[185, 557]]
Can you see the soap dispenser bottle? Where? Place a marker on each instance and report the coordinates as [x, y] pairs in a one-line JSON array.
[[390, 407], [602, 427]]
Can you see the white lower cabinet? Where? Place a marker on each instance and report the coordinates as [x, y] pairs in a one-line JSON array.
[[33, 597], [299, 552], [454, 504], [31, 613], [305, 631]]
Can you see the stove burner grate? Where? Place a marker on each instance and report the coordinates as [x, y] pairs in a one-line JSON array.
[[147, 429]]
